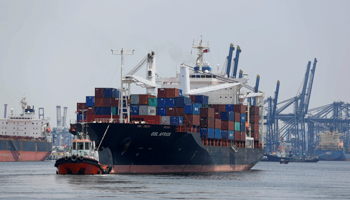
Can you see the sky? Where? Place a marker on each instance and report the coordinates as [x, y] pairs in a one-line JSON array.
[[57, 52]]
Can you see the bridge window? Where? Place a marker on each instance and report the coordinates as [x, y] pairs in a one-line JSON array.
[[80, 145], [87, 145], [74, 146]]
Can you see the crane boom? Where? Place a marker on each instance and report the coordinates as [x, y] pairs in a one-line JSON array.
[[309, 88], [229, 60], [302, 95]]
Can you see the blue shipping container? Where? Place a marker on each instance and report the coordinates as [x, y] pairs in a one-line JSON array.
[[170, 102], [227, 116], [180, 93], [243, 117], [224, 134], [135, 99], [242, 127], [176, 121], [80, 116], [115, 92], [161, 111], [182, 101], [193, 109], [161, 102], [231, 135], [90, 101], [203, 132], [208, 131], [202, 99], [107, 92], [98, 110], [217, 133], [107, 110], [229, 107], [134, 110]]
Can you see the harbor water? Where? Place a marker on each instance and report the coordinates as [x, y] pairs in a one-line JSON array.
[[267, 180]]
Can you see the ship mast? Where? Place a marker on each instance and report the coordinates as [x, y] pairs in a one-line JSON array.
[[200, 47]]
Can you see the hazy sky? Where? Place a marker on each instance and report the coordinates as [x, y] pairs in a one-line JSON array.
[[57, 52]]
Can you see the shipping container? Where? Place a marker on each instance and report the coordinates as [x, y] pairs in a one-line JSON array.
[[143, 98], [229, 107], [243, 135], [98, 110], [135, 99], [237, 126], [180, 93], [170, 102], [237, 117], [161, 111], [90, 117], [180, 111], [80, 117], [115, 93], [193, 98], [256, 136], [171, 92], [114, 101], [161, 93], [176, 120], [153, 102], [219, 108], [254, 118], [107, 110], [107, 102], [254, 127], [206, 122], [81, 106], [161, 102], [243, 127], [217, 115], [147, 110], [240, 108], [243, 118], [193, 109], [217, 124], [254, 110], [217, 133], [190, 119], [99, 92], [227, 116], [231, 135], [182, 101], [224, 134], [227, 125], [207, 112], [202, 99], [165, 120], [90, 101], [107, 92], [209, 132], [203, 132], [90, 111], [134, 110], [170, 111], [237, 135], [115, 111]]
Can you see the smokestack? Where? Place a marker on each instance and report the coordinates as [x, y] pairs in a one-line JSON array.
[[5, 111]]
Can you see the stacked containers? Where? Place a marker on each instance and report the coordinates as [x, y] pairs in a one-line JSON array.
[[254, 122], [240, 135]]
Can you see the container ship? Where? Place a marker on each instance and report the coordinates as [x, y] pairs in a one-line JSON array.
[[198, 121], [24, 137], [330, 147]]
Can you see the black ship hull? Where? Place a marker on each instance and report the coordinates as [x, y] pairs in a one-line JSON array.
[[144, 148]]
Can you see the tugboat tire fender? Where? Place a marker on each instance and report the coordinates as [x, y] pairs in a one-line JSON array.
[[81, 158], [74, 158]]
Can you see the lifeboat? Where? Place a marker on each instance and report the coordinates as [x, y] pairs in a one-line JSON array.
[[82, 158]]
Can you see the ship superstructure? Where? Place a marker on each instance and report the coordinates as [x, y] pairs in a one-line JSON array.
[[330, 147], [25, 137]]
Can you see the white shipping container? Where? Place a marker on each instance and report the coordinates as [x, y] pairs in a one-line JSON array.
[[147, 110], [165, 120]]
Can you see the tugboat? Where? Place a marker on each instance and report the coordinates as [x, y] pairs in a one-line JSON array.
[[283, 161], [82, 158]]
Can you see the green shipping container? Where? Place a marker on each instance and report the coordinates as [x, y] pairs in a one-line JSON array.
[[152, 102], [115, 110], [237, 126], [206, 106]]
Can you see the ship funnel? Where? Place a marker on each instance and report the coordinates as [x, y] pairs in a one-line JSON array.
[[184, 80], [5, 110]]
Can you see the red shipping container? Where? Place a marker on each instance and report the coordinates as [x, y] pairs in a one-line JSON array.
[[192, 120], [240, 108], [99, 102], [207, 112], [171, 92], [217, 124], [256, 136], [237, 136], [220, 108], [180, 111], [227, 125], [90, 111], [107, 102], [161, 93], [81, 106], [217, 115], [170, 111], [90, 118], [237, 117], [243, 134], [207, 122], [193, 98], [143, 99], [99, 92], [114, 102]]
